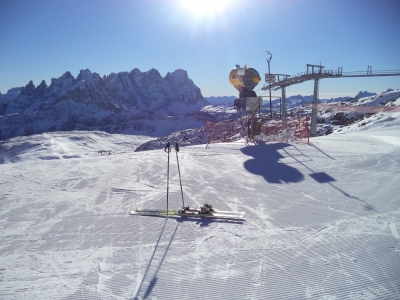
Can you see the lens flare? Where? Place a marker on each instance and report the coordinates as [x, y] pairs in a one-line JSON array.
[[206, 7]]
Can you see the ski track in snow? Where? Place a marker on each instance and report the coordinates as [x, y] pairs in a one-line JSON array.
[[322, 222]]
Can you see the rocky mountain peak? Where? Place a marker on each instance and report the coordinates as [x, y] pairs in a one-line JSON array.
[[41, 89], [362, 94], [178, 77], [28, 90], [86, 75]]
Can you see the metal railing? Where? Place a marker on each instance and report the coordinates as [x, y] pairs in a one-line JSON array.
[[304, 76]]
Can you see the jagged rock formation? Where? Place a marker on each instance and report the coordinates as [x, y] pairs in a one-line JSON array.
[[364, 94], [132, 102]]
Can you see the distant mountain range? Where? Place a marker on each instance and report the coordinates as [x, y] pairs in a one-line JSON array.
[[132, 102], [221, 100], [292, 100]]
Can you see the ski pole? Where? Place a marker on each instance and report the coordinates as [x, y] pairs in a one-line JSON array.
[[179, 172], [168, 150]]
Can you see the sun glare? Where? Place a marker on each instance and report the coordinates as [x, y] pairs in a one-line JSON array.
[[206, 7]]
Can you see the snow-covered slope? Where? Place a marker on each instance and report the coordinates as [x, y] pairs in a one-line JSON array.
[[322, 220], [66, 145], [359, 113]]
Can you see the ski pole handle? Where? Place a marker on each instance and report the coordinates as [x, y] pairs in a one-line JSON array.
[[176, 147], [167, 148]]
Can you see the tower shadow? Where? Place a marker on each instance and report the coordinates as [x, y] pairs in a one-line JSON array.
[[265, 162], [322, 177]]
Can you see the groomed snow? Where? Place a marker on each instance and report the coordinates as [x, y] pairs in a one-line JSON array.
[[66, 145], [322, 221]]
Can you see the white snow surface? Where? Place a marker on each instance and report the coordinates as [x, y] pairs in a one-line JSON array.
[[66, 145], [322, 220]]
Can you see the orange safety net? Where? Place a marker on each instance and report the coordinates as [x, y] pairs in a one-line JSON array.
[[269, 130]]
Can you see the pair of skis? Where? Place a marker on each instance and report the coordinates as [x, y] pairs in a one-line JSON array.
[[187, 209], [191, 213]]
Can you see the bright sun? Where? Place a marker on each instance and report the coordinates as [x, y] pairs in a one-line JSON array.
[[206, 7]]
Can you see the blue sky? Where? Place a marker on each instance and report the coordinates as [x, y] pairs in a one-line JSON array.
[[43, 39]]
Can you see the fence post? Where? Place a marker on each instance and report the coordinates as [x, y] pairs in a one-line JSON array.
[[207, 126], [300, 131]]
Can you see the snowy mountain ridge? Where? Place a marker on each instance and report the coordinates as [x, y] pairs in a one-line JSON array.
[[126, 102], [291, 101], [134, 90]]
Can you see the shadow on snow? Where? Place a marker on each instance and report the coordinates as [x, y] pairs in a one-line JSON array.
[[322, 177], [266, 163], [154, 279], [203, 222]]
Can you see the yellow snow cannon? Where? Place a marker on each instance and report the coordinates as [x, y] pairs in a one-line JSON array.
[[244, 78]]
